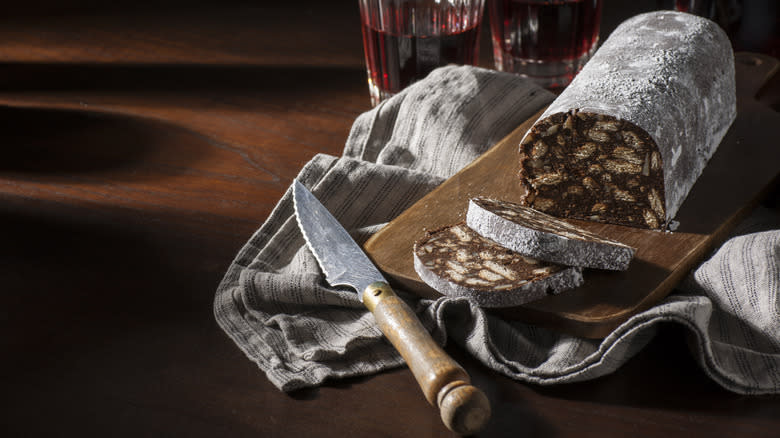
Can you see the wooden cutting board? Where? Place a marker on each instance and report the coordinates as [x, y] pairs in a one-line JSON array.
[[742, 172]]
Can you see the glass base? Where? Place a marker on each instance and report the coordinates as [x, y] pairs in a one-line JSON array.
[[553, 75], [377, 94]]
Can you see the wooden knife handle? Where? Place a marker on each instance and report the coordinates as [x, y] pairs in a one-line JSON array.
[[463, 407]]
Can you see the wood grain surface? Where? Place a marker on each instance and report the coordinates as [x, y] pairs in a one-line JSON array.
[[739, 175], [142, 145]]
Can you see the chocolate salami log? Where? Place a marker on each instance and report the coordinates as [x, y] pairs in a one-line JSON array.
[[626, 141], [535, 234], [458, 262]]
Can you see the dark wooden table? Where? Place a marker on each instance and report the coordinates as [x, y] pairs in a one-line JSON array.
[[142, 145]]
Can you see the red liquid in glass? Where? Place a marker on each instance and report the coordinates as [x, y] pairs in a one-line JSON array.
[[395, 61], [545, 31]]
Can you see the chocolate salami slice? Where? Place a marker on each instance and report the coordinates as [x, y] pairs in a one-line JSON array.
[[458, 262], [627, 139], [535, 234]]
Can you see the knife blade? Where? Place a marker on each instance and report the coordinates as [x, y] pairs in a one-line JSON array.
[[463, 408]]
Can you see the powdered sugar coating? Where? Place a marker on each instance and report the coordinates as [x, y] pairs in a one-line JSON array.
[[672, 75], [541, 236]]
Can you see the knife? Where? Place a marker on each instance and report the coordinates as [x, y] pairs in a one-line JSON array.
[[464, 408]]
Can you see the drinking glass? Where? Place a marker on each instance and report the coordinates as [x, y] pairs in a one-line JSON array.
[[404, 40], [548, 41]]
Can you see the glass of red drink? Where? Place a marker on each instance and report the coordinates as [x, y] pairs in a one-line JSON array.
[[548, 41], [404, 40]]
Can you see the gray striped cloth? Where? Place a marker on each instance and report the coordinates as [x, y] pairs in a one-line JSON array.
[[275, 304]]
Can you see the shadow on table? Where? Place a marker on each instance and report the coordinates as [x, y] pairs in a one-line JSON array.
[[173, 78], [45, 143], [107, 317], [161, 119]]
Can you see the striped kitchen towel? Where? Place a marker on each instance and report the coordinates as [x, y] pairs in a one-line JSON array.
[[276, 306]]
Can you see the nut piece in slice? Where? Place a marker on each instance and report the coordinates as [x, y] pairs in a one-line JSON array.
[[458, 262], [544, 237]]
